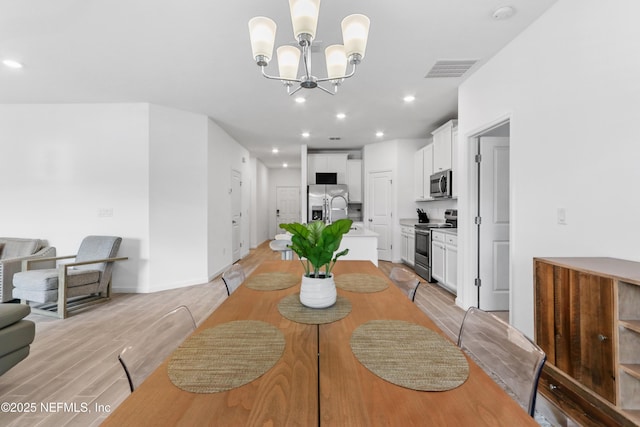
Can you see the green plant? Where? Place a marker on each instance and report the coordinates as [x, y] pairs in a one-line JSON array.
[[315, 243]]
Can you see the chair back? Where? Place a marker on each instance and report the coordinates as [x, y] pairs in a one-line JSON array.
[[502, 350], [406, 281], [233, 278], [99, 247], [158, 341]]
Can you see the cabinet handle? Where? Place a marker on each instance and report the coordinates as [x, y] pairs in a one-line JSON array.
[[602, 338]]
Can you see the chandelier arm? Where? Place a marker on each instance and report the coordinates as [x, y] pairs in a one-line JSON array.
[[326, 90], [351, 74], [295, 90], [277, 77]]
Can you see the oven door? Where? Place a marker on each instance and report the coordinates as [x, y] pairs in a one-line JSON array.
[[423, 246]]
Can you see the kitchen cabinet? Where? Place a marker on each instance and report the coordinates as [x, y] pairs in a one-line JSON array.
[[454, 163], [327, 162], [444, 259], [443, 145], [587, 320], [354, 180], [408, 244], [423, 168]]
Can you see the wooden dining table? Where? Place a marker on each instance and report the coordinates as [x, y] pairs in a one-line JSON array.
[[318, 380]]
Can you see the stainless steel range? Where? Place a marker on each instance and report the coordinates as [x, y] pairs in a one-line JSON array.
[[422, 265]]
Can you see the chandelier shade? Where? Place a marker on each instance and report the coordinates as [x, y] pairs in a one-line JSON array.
[[288, 60], [262, 32], [304, 18], [336, 61], [355, 31]]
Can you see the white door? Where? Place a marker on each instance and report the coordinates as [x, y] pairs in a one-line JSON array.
[[494, 224], [379, 211], [236, 215], [287, 206]]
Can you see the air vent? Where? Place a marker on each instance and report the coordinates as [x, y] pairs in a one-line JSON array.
[[334, 138], [450, 68]]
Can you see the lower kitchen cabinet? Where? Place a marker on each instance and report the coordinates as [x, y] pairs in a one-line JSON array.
[[408, 247], [444, 259], [587, 320]]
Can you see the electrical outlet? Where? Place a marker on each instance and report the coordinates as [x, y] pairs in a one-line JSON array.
[[562, 216]]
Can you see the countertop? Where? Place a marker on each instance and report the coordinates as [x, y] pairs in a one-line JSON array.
[[361, 232], [453, 231]]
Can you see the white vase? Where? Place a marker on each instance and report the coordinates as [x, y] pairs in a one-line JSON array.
[[317, 292]]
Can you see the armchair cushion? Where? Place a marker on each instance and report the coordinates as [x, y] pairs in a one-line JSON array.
[[42, 285], [16, 335], [14, 248]]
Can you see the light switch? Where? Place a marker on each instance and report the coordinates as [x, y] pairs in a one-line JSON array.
[[105, 212], [562, 216]]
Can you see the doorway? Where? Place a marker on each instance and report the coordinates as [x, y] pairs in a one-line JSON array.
[[236, 215], [492, 219], [287, 206], [379, 211]]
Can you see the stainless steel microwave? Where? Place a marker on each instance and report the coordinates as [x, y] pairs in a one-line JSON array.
[[441, 184]]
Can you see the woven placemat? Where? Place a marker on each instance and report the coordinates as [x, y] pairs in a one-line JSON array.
[[291, 308], [272, 281], [226, 357], [409, 355], [358, 282]]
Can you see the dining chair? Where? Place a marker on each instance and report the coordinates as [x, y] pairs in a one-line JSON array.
[[406, 281], [146, 353], [503, 352], [233, 277]]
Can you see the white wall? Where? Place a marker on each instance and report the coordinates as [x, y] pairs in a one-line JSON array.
[[259, 203], [177, 198], [395, 156], [162, 174], [225, 155], [570, 84], [66, 165], [281, 177]]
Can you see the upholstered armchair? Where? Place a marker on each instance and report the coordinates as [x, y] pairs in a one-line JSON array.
[[71, 285], [12, 252]]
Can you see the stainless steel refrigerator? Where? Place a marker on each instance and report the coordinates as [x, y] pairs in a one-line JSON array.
[[327, 203]]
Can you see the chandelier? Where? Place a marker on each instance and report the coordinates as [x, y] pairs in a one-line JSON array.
[[304, 17]]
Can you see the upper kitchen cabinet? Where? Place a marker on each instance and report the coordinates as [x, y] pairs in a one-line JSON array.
[[327, 162], [354, 180], [422, 170], [443, 144]]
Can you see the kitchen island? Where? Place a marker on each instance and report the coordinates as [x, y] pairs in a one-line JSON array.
[[362, 244]]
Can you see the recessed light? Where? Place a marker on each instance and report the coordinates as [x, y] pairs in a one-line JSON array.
[[379, 134], [409, 98], [504, 12], [284, 165], [300, 100], [341, 115], [305, 134], [11, 63], [275, 151]]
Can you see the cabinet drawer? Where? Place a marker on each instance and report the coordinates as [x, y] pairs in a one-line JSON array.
[[580, 404], [451, 239], [437, 237]]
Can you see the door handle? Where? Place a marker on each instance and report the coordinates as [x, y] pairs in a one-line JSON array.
[[370, 220]]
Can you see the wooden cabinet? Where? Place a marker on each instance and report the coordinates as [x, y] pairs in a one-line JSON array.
[[422, 170], [444, 259], [408, 244], [587, 320], [327, 162], [354, 180], [443, 145]]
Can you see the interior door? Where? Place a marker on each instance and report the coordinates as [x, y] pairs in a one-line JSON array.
[[379, 211], [287, 206], [236, 215], [494, 227]]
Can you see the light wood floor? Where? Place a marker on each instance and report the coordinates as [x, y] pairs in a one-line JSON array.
[[74, 361]]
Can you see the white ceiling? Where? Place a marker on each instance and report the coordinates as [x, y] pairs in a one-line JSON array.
[[195, 55]]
